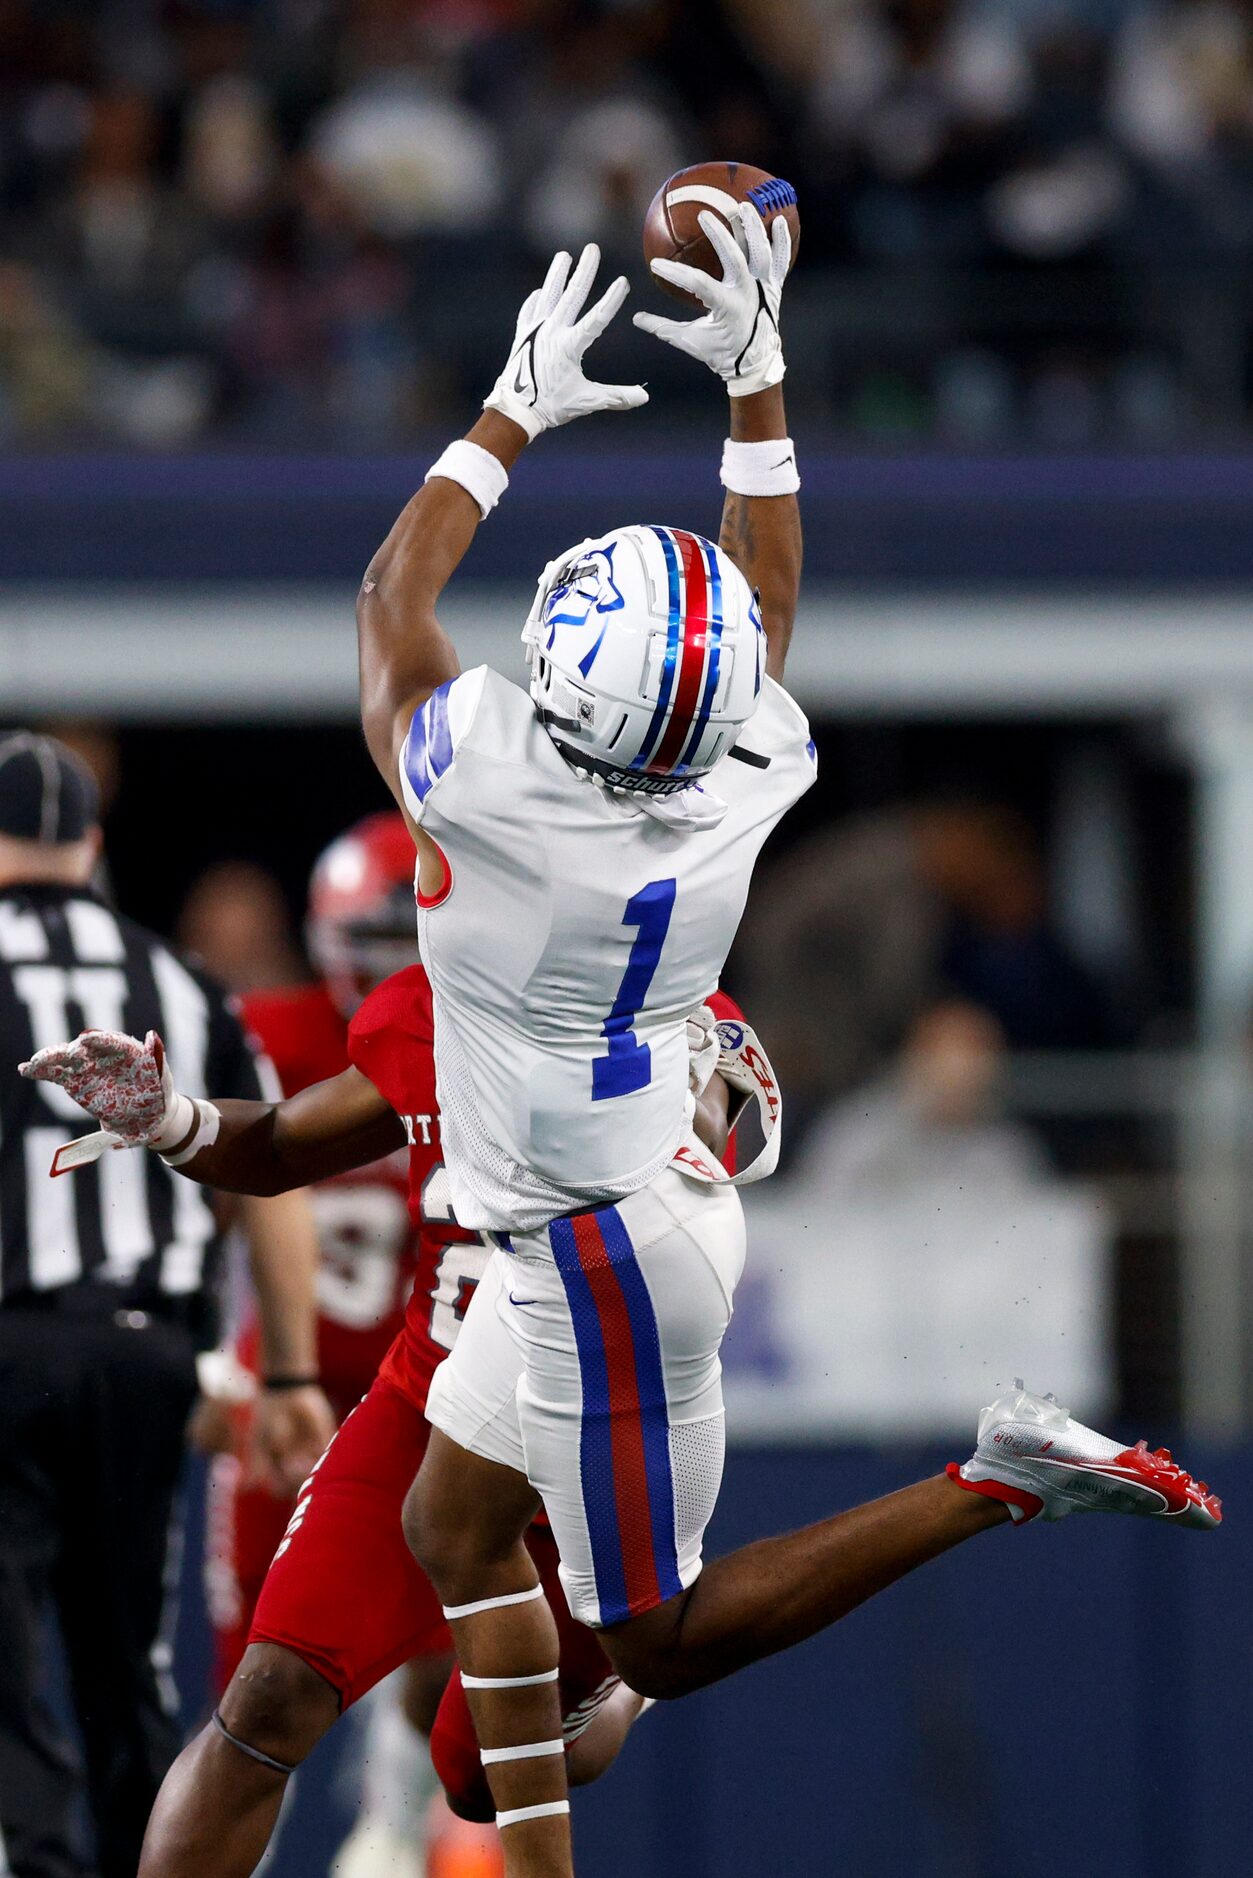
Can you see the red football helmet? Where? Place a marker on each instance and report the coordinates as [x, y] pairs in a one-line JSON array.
[[362, 925]]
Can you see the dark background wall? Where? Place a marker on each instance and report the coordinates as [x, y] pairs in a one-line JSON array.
[[946, 521]]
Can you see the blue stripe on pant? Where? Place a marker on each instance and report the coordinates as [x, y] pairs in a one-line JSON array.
[[623, 1394]]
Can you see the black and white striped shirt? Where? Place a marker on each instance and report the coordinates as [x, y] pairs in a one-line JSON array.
[[69, 963]]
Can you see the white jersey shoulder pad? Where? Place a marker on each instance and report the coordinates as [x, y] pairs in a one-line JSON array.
[[778, 725], [444, 726], [772, 764]]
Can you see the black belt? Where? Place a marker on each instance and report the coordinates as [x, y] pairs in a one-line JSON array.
[[102, 1304]]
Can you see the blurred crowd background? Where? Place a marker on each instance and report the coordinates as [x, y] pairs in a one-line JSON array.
[[297, 222]]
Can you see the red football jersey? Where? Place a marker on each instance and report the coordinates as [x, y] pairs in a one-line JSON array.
[[369, 1245], [391, 1041]]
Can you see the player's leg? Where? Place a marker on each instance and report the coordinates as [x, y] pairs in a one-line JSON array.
[[588, 1754], [455, 1746], [768, 1596], [456, 1759], [112, 1583], [648, 1287], [1031, 1460], [245, 1525], [506, 1643], [594, 1752], [465, 1518], [220, 1801], [342, 1606], [597, 1710]]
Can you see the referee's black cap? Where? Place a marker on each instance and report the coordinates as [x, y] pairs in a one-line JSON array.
[[46, 792]]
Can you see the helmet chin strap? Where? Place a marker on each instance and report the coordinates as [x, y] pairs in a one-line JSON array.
[[689, 809], [692, 808]]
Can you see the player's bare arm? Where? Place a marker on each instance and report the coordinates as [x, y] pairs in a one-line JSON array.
[[404, 652], [762, 534], [327, 1129], [712, 1120], [738, 338], [257, 1148]]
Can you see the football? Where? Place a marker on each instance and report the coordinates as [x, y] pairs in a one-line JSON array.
[[671, 228]]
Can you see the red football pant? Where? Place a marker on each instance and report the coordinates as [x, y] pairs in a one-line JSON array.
[[344, 1592]]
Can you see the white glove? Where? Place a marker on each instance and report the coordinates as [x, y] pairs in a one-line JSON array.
[[739, 335], [704, 1046], [125, 1086], [543, 384]]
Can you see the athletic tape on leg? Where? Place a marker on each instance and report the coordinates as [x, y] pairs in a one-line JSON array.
[[508, 1682], [517, 1814], [453, 1611], [530, 1751], [254, 1754]]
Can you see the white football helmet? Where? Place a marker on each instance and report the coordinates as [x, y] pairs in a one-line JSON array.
[[646, 651]]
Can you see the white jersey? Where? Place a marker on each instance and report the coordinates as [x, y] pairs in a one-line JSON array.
[[574, 935]]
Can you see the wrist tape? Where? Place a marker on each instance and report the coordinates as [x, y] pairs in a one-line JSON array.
[[480, 474], [511, 405], [207, 1119], [743, 385], [760, 469]]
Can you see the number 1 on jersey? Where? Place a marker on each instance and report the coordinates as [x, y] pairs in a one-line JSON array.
[[628, 1064]]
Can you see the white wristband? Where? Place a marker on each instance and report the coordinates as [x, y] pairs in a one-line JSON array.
[[178, 1118], [480, 474], [208, 1120], [511, 405], [760, 469]]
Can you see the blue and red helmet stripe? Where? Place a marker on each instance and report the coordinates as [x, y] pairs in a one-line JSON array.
[[689, 675], [693, 654], [715, 649], [674, 635]]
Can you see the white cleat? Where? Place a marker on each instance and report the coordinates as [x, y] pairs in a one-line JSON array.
[[1041, 1464]]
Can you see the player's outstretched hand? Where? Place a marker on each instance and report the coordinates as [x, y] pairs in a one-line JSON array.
[[738, 336], [123, 1084], [543, 384]]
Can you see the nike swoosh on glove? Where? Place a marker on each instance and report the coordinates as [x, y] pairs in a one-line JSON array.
[[738, 335], [543, 383]]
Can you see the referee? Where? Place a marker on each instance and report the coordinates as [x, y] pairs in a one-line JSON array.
[[105, 1296]]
